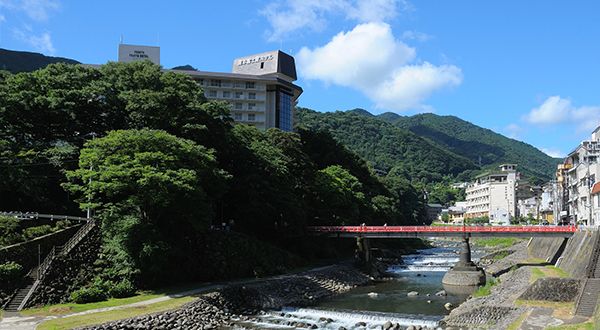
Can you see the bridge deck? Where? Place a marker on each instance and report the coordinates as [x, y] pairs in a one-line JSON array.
[[444, 231]]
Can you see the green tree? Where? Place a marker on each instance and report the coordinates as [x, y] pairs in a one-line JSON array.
[[151, 190], [339, 195]]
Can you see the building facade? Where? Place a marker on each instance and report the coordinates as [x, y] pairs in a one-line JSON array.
[[577, 176], [259, 89], [493, 195]]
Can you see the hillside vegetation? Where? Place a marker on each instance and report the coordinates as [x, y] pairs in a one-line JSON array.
[[18, 61], [428, 147]]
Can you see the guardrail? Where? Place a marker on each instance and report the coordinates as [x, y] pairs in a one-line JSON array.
[[443, 229], [32, 216]]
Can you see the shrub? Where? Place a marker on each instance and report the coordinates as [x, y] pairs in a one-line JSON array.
[[9, 231], [88, 295], [33, 232], [122, 289], [10, 272]]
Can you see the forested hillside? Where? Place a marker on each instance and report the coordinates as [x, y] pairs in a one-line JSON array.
[[427, 146], [18, 61], [386, 146], [480, 144]]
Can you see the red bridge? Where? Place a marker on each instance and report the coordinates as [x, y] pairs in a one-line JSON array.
[[443, 231]]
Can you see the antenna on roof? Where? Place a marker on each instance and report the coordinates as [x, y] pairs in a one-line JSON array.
[[121, 40]]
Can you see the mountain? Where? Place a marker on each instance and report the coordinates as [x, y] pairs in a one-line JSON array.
[[17, 61], [428, 143], [480, 145], [385, 145]]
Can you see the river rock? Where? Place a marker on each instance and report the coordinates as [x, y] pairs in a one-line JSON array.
[[412, 294], [387, 325], [360, 324], [441, 293], [448, 306]]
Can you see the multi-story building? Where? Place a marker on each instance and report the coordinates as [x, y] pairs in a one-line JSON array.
[[577, 176], [259, 88], [493, 195], [457, 212]]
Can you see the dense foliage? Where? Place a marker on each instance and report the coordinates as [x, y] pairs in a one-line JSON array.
[[453, 149], [163, 169], [13, 231]]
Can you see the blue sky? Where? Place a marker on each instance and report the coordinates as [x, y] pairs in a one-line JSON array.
[[526, 69]]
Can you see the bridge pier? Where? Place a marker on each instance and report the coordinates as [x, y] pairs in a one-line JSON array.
[[363, 249], [464, 272]]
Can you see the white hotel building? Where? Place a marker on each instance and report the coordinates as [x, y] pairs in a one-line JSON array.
[[493, 195], [259, 88]]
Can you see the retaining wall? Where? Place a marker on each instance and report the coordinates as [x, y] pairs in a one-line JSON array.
[[577, 254], [545, 248]]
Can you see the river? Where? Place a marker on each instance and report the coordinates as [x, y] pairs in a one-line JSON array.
[[384, 301]]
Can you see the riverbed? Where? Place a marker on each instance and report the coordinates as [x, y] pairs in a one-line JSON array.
[[386, 301]]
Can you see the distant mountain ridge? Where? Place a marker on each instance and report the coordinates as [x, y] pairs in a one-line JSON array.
[[18, 61], [421, 143]]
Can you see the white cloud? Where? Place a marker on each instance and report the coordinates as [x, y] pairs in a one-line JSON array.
[[553, 153], [416, 35], [41, 42], [557, 110], [370, 59], [37, 10], [293, 15]]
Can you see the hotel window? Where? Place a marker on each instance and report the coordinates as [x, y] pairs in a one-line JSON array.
[[238, 106], [212, 93], [251, 106], [215, 83], [238, 95], [252, 96], [237, 116], [201, 82], [238, 84], [226, 94], [251, 117], [250, 84]]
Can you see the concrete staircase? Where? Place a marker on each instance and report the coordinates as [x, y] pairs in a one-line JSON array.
[[19, 297], [586, 305], [35, 276]]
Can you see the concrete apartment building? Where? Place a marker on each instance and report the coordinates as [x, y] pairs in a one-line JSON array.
[[493, 195], [577, 177], [259, 88]]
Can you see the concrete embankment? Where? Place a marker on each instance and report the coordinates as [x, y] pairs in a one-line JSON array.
[[240, 301]]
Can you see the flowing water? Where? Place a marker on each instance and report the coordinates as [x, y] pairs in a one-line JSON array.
[[385, 301]]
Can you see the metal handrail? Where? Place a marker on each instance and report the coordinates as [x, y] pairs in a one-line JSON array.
[[35, 215]]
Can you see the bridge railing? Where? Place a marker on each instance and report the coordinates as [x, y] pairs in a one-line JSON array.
[[443, 229]]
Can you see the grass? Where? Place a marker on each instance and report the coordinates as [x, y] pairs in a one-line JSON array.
[[69, 308], [102, 317], [546, 271], [485, 290], [501, 255], [580, 326], [496, 242]]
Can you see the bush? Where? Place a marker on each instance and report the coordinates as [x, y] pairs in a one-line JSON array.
[[9, 231], [122, 289], [33, 232], [88, 295], [10, 272]]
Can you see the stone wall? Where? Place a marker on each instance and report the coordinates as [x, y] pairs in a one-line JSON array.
[[553, 289], [69, 272], [577, 254]]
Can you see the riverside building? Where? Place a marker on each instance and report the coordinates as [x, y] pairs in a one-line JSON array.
[[259, 88], [578, 177], [493, 195]]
